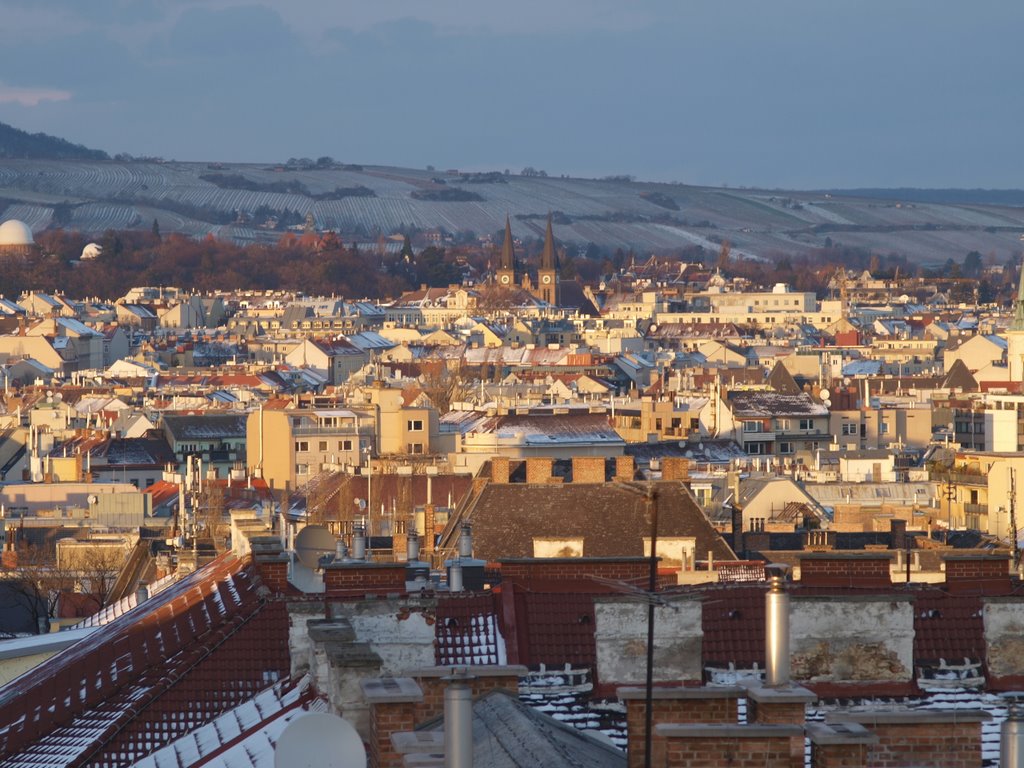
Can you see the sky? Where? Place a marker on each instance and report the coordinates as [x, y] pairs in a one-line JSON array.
[[794, 94]]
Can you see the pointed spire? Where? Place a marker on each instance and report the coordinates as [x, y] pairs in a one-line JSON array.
[[1018, 317], [508, 256], [547, 258]]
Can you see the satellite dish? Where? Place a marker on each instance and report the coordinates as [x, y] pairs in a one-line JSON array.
[[361, 503], [59, 396], [93, 498], [319, 740], [312, 543]]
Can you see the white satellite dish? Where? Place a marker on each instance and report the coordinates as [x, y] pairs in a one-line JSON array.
[[312, 543], [319, 740]]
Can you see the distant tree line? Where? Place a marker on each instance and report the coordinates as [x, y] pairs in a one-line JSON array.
[[16, 143]]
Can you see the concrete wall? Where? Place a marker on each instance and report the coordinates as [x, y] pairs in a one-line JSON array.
[[402, 638], [852, 639], [1004, 636], [621, 635]]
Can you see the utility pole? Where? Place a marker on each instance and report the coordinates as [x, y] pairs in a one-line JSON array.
[[652, 585]]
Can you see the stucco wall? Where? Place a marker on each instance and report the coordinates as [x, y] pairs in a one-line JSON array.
[[621, 636], [851, 639], [1004, 636]]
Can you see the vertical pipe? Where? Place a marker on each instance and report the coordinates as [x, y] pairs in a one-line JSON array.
[[455, 576], [412, 547], [466, 541], [1011, 735], [458, 720], [777, 627], [358, 543]]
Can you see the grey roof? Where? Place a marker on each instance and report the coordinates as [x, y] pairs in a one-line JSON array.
[[761, 404], [209, 427], [510, 734]]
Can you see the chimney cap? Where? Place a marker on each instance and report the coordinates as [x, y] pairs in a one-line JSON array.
[[776, 570]]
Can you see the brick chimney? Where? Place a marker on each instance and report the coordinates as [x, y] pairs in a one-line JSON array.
[[675, 468], [538, 470], [271, 562], [356, 580], [588, 469], [672, 705], [625, 470], [978, 574], [846, 569], [500, 470]]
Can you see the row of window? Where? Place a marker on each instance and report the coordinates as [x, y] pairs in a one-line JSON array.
[[756, 426], [302, 446]]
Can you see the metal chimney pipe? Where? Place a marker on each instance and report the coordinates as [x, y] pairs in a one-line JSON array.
[[358, 543], [412, 547], [455, 576], [776, 627], [466, 541], [458, 720], [340, 551], [1011, 734]]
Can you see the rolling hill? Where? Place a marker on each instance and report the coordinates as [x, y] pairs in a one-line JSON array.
[[232, 200]]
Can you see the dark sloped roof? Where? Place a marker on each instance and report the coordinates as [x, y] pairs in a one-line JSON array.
[[510, 734], [611, 518]]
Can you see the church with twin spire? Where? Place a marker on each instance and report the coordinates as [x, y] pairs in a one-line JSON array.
[[509, 273]]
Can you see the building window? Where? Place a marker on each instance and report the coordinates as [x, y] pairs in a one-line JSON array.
[[301, 469], [883, 428], [755, 449], [323, 446], [414, 425], [344, 445], [849, 429], [301, 446], [751, 426], [415, 447], [785, 447], [782, 424], [806, 424]]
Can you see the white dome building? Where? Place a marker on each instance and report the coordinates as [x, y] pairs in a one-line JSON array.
[[15, 238]]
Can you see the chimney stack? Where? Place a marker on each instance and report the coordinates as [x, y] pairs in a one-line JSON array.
[[359, 543], [777, 627], [466, 541], [412, 547], [458, 720], [1011, 734]]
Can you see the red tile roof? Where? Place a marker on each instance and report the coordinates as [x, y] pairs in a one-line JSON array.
[[204, 644]]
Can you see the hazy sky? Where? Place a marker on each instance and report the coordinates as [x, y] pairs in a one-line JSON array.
[[778, 93]]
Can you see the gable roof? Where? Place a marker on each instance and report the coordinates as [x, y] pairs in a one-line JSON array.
[[610, 517], [510, 734]]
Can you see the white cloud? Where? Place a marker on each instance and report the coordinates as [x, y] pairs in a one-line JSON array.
[[30, 97]]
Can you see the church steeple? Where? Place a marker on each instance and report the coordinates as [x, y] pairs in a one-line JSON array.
[[547, 258], [547, 275], [507, 264], [508, 254], [1018, 317], [1015, 336]]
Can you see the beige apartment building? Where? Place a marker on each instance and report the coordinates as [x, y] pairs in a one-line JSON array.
[[882, 427], [403, 427], [289, 447]]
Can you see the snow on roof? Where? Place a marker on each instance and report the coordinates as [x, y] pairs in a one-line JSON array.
[[761, 404], [244, 736]]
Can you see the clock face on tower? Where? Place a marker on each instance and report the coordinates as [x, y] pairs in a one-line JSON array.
[[505, 279], [546, 279]]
